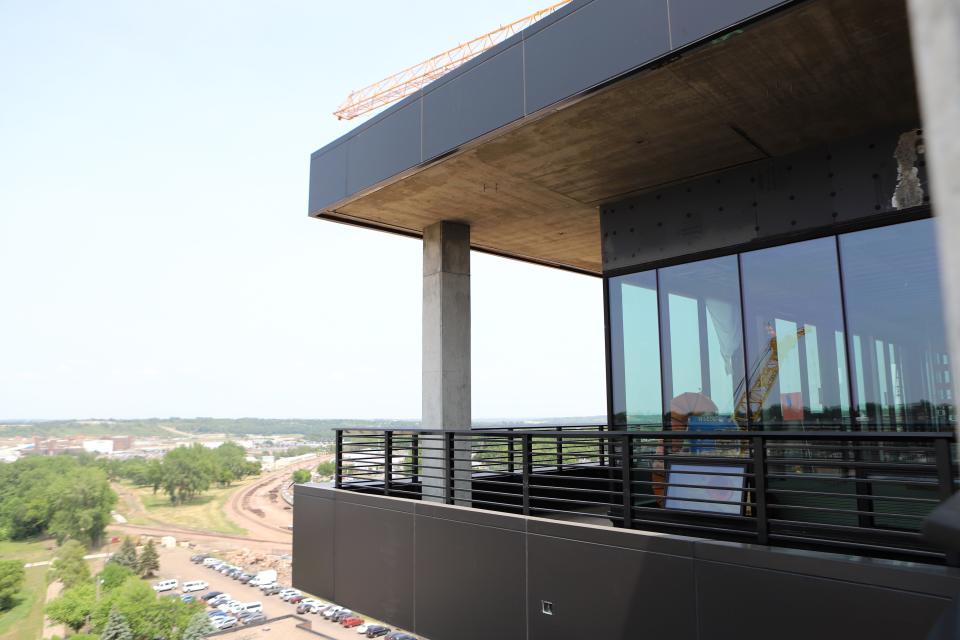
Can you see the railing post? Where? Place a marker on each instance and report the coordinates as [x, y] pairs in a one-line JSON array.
[[510, 451], [602, 459], [448, 470], [626, 475], [338, 460], [560, 451], [415, 459], [760, 488], [388, 462], [527, 470]]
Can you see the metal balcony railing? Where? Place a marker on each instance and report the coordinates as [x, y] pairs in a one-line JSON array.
[[850, 492]]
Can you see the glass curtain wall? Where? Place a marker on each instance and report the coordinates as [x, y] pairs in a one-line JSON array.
[[901, 368], [761, 339]]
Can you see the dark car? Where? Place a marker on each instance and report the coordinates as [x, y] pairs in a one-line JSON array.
[[244, 578], [400, 635], [340, 616], [210, 594], [255, 618], [377, 630]]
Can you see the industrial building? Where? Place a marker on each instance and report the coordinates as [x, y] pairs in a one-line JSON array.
[[749, 179]]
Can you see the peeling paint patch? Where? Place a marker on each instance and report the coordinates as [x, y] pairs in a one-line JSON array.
[[909, 190]]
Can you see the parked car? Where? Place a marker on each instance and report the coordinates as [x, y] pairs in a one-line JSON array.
[[306, 604], [209, 561], [295, 598], [194, 585], [255, 618], [351, 621], [362, 629], [286, 594], [216, 613], [210, 594], [377, 630], [197, 557], [244, 578], [165, 585], [400, 635], [272, 589], [226, 622], [220, 599], [187, 598], [329, 611], [340, 615]]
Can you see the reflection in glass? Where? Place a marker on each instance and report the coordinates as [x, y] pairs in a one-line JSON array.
[[635, 348], [791, 304], [702, 343], [895, 318]]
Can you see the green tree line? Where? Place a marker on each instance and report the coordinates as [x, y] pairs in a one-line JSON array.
[[66, 497], [187, 471]]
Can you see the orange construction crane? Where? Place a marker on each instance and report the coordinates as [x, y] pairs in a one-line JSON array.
[[411, 79]]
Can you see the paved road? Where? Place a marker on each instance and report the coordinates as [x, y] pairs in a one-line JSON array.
[[175, 563]]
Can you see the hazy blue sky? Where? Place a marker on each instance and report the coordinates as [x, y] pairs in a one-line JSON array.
[[155, 254]]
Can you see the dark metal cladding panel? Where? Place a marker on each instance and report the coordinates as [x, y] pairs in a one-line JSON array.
[[757, 604], [691, 20], [864, 173], [470, 581], [373, 562], [591, 45], [793, 194], [598, 591], [700, 215], [387, 148], [484, 98], [328, 177], [313, 545]]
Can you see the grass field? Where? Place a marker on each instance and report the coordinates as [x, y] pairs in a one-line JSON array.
[[204, 513], [25, 620]]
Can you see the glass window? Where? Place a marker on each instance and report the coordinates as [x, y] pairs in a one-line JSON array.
[[702, 343], [796, 359], [635, 349], [895, 318]]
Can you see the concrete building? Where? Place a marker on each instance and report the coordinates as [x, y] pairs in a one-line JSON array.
[[749, 179]]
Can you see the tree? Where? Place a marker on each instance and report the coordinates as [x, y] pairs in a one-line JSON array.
[[70, 567], [127, 556], [11, 579], [147, 615], [74, 606], [199, 627], [301, 475], [187, 472], [81, 506], [149, 560], [113, 575], [326, 468], [117, 627]]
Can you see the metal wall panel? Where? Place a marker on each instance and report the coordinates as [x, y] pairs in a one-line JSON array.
[[691, 20], [313, 546], [373, 561], [479, 100], [388, 147], [470, 581], [758, 604], [598, 591], [591, 45], [328, 176], [811, 191]]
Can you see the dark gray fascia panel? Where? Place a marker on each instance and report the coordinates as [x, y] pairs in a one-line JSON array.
[[474, 103], [389, 147], [691, 20], [599, 41], [581, 46]]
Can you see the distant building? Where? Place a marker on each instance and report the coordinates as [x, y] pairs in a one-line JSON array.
[[98, 446]]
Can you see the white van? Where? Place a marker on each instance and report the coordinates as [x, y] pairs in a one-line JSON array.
[[250, 607], [165, 585], [194, 585]]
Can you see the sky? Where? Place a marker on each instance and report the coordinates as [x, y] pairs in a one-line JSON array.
[[156, 258]]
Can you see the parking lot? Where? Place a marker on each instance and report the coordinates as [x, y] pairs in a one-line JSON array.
[[175, 563]]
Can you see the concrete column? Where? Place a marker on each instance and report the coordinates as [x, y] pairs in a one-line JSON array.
[[446, 326], [935, 31], [446, 354]]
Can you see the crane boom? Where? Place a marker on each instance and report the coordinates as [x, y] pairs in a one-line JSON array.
[[411, 79]]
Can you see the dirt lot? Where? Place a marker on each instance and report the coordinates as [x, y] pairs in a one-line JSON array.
[[175, 563]]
